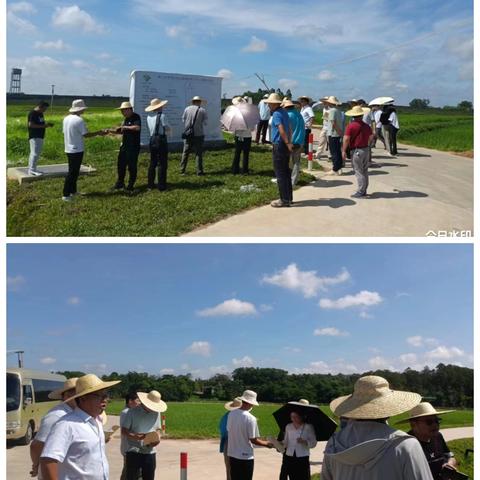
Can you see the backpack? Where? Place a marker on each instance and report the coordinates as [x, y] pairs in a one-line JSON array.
[[385, 116]]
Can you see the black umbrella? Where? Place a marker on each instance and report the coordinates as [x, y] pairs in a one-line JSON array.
[[324, 426]]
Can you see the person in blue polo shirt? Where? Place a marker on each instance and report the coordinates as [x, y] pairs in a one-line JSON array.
[[297, 126], [282, 146]]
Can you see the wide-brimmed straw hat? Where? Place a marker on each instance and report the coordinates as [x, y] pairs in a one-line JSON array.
[[372, 398], [287, 103], [304, 97], [68, 385], [90, 383], [197, 98], [357, 111], [153, 401], [234, 404], [423, 409], [237, 100], [274, 98], [124, 106], [77, 106], [249, 396], [155, 104], [332, 100], [266, 95]]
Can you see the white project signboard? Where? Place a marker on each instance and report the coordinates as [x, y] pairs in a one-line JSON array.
[[179, 90]]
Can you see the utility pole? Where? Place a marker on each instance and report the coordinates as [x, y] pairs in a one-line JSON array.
[[262, 79], [51, 98], [19, 355]]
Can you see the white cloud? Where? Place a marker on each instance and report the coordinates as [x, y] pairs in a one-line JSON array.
[[48, 360], [229, 307], [365, 315], [306, 282], [444, 353], [293, 349], [380, 363], [167, 371], [326, 75], [16, 283], [174, 31], [21, 7], [73, 301], [361, 299], [419, 341], [76, 19], [58, 45], [330, 332], [81, 64], [287, 83], [199, 348], [319, 367], [98, 368], [19, 25], [225, 73], [218, 369], [246, 361], [255, 46], [403, 294], [408, 358], [338, 366]]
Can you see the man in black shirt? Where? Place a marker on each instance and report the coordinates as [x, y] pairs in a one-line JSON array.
[[36, 134], [129, 148]]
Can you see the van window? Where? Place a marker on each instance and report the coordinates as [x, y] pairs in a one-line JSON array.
[[43, 387], [27, 393], [13, 392]]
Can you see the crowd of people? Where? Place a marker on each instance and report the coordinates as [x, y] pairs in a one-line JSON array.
[[284, 124], [70, 444]]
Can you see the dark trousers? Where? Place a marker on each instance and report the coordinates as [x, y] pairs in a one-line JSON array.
[[74, 164], [242, 145], [262, 128], [281, 167], [295, 468], [241, 469], [308, 131], [146, 462], [335, 150], [194, 144], [127, 158], [393, 139], [158, 159]]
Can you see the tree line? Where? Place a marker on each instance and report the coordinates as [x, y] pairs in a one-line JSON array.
[[443, 386]]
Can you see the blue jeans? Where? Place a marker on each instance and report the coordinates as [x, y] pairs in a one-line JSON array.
[[336, 152]]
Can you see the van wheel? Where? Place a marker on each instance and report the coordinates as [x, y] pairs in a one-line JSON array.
[[28, 435]]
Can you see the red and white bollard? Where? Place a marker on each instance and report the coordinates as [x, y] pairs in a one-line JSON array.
[[183, 465], [164, 424], [310, 152]]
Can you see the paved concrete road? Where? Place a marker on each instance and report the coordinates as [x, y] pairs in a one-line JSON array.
[[204, 460], [421, 190]]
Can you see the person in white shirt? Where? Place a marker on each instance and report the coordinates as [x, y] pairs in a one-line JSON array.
[[49, 420], [74, 131], [243, 433], [298, 440], [394, 127], [308, 117], [262, 125], [322, 144], [377, 111], [75, 447]]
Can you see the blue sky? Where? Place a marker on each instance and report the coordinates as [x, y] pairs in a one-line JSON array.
[[205, 309], [347, 48]]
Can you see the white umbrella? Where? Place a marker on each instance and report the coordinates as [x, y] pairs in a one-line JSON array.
[[381, 101], [243, 116]]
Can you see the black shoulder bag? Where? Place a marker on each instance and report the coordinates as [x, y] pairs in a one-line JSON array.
[[157, 141], [188, 132]]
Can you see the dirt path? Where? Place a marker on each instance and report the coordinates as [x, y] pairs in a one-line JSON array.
[[421, 190], [204, 460]]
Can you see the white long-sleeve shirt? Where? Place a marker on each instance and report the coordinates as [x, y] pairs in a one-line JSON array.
[[292, 434]]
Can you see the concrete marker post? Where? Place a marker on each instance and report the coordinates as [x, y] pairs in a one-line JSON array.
[[164, 424], [310, 152], [183, 465]]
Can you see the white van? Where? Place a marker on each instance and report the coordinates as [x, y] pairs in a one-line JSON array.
[[28, 402]]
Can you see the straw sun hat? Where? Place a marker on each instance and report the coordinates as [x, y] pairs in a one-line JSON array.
[[249, 396], [90, 383], [77, 106], [124, 106], [274, 98], [68, 385], [423, 409], [155, 104], [234, 404], [332, 100], [153, 401], [357, 111], [372, 398], [237, 100], [287, 103], [197, 98]]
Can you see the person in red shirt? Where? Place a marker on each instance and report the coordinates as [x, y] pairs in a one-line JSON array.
[[358, 136]]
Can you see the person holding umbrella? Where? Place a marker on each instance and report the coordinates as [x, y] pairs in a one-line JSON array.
[[243, 143]]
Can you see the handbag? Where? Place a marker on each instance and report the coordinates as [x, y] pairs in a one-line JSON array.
[[158, 141], [188, 132]]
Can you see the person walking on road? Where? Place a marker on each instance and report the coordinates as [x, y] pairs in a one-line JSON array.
[[195, 118], [243, 433], [36, 135]]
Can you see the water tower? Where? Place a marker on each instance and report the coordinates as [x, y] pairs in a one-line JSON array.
[[16, 80]]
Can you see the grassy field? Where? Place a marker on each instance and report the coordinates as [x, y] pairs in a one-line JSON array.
[[200, 420], [36, 209], [446, 131]]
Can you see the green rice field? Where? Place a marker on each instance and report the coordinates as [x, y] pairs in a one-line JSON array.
[[200, 419]]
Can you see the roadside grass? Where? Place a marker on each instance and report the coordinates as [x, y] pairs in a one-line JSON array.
[[200, 419], [459, 448], [36, 209]]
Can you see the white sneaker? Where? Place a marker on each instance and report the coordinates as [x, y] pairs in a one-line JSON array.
[[338, 172], [67, 199], [35, 173]]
